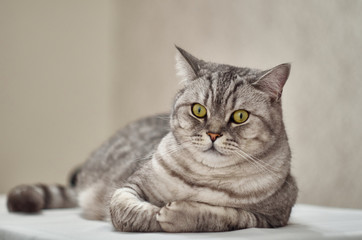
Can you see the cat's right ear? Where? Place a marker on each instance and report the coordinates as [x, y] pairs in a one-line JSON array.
[[187, 66]]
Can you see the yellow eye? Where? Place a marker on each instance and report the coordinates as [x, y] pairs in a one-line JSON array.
[[198, 110], [240, 116]]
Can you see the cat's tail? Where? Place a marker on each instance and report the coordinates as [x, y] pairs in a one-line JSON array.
[[34, 198]]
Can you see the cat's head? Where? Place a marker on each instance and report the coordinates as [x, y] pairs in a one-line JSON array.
[[226, 114]]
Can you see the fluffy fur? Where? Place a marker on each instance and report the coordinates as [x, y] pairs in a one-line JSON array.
[[166, 172]]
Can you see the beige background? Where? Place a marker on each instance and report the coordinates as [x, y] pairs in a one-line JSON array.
[[72, 72]]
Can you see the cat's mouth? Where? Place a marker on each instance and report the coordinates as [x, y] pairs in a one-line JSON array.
[[213, 150]]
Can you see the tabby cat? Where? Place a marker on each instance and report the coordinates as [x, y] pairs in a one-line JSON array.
[[219, 161]]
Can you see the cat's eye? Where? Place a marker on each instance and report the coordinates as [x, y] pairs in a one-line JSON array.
[[198, 110], [239, 116]]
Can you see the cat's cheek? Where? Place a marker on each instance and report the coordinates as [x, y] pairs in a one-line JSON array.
[[248, 132], [176, 125], [257, 145], [255, 131], [251, 146], [184, 124]]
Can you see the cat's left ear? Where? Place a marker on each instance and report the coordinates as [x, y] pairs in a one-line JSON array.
[[273, 80], [188, 66]]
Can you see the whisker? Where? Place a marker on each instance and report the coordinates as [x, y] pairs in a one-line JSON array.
[[262, 167], [241, 154], [275, 176], [258, 161]]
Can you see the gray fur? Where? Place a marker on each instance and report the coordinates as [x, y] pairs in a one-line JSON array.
[[164, 173]]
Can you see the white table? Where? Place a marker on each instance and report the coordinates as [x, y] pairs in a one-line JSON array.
[[307, 222]]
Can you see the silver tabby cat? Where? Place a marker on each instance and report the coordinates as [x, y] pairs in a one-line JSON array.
[[220, 161]]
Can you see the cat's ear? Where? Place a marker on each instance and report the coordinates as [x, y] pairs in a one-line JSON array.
[[187, 66], [272, 81]]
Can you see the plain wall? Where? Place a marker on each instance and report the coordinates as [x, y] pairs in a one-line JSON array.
[[54, 87], [72, 72]]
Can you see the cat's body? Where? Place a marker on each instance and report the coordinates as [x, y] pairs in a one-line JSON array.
[[220, 162]]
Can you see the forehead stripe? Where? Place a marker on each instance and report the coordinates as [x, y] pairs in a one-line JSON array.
[[207, 93]]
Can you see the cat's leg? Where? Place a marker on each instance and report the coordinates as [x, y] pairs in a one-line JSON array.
[[130, 213], [187, 216]]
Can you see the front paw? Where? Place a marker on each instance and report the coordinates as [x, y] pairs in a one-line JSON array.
[[176, 217], [136, 218]]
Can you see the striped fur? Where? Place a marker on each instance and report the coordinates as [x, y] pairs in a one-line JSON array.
[[33, 198], [165, 173], [244, 182]]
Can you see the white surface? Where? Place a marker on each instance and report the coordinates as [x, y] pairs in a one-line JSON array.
[[307, 222]]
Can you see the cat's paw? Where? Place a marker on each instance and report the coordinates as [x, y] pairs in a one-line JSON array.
[[176, 217], [133, 216]]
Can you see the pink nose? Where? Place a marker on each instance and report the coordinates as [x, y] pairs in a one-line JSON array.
[[213, 136]]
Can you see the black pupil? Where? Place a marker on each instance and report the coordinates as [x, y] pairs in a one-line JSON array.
[[237, 117], [199, 110]]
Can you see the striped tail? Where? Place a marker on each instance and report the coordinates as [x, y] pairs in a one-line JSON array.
[[34, 198]]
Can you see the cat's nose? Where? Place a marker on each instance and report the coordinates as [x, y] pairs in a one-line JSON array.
[[214, 136]]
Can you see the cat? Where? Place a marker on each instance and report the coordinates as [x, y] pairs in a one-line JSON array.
[[219, 161]]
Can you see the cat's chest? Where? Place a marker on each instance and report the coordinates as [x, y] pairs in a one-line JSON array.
[[177, 178], [222, 192]]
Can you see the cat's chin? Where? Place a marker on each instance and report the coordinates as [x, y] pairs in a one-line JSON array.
[[214, 161], [213, 158]]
